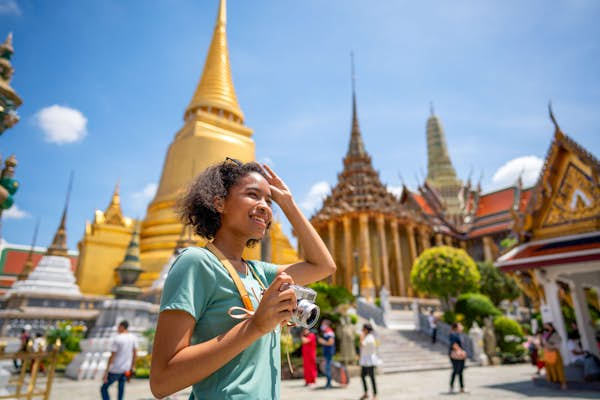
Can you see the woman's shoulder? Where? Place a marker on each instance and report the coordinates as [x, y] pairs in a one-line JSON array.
[[193, 259]]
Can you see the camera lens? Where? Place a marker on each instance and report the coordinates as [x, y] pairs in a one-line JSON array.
[[312, 317]]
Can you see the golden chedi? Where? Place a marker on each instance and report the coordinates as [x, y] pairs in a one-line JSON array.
[[103, 247]]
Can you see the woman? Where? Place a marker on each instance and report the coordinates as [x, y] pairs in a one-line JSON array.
[[368, 359], [458, 355], [218, 327], [309, 357], [551, 342]]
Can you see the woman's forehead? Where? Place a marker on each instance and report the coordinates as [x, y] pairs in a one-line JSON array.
[[254, 179]]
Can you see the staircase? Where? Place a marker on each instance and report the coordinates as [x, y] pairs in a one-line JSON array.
[[404, 349]]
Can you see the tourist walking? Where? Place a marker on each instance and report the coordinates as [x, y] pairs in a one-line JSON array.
[[24, 337], [327, 340], [309, 357], [551, 342], [220, 315], [39, 346], [458, 355], [121, 362], [432, 326], [368, 360]]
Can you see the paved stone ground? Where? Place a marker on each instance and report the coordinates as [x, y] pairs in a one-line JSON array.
[[502, 382]]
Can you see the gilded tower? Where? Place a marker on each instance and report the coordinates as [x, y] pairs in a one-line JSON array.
[[103, 246], [213, 129], [440, 172], [372, 237]]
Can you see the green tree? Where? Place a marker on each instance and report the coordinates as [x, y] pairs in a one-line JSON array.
[[496, 284], [475, 307], [445, 272]]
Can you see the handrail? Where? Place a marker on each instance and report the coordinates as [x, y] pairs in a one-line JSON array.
[[33, 360]]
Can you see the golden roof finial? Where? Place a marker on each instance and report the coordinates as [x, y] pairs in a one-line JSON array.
[[557, 130], [215, 90]]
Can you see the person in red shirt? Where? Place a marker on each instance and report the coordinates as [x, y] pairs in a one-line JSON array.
[[309, 357]]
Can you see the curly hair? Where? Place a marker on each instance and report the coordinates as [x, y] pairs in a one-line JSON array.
[[196, 207]]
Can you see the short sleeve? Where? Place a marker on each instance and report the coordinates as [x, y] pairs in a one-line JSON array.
[[189, 284], [266, 270]]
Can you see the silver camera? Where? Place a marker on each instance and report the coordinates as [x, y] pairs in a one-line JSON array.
[[307, 312]]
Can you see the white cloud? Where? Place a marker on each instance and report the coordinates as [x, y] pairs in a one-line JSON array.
[[15, 213], [9, 7], [61, 124], [395, 190], [139, 200], [528, 167], [147, 193], [315, 196]]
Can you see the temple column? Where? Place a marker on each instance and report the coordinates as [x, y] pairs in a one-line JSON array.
[[398, 255], [463, 245], [448, 240], [487, 249], [383, 250], [366, 273], [424, 236], [582, 316], [331, 245], [412, 245], [551, 311], [439, 239], [349, 270]]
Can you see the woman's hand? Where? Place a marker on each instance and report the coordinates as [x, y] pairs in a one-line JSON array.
[[279, 190], [276, 306]]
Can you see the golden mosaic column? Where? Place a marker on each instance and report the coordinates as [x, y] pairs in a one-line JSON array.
[[398, 254], [487, 249], [439, 241], [384, 255], [448, 240], [412, 244], [348, 253], [366, 274], [331, 243], [425, 243]]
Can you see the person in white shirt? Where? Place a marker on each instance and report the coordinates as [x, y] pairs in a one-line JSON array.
[[121, 362], [368, 359], [575, 351], [432, 326]]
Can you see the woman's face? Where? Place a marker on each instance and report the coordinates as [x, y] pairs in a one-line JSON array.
[[459, 328], [247, 207]]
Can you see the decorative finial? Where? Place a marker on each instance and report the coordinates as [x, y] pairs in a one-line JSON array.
[[431, 109], [353, 76], [222, 17], [552, 118], [28, 267], [59, 243]]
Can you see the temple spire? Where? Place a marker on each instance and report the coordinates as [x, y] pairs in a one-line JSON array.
[[28, 266], [557, 129], [215, 92], [114, 214], [356, 147], [59, 243]]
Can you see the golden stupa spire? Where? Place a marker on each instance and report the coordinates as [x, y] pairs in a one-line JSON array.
[[59, 243], [113, 214], [215, 92]]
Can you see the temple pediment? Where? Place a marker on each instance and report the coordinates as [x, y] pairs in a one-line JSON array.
[[566, 199]]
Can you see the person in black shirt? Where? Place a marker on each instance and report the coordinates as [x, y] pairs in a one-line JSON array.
[[457, 355]]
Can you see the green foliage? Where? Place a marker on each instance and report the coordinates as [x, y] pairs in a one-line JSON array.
[[353, 318], [445, 272], [475, 307], [331, 296], [149, 334], [508, 242], [64, 359], [449, 317], [68, 334], [509, 335], [142, 366], [496, 284]]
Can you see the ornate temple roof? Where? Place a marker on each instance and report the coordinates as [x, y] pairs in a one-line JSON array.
[[215, 92], [359, 188]]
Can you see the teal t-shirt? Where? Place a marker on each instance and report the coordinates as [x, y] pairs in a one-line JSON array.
[[201, 286]]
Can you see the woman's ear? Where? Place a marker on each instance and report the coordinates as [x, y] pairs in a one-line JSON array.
[[219, 204]]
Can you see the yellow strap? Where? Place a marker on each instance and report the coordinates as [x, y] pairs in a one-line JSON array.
[[234, 275]]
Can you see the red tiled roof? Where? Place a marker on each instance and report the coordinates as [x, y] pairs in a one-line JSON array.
[[496, 202], [525, 196], [490, 229], [15, 260], [422, 203]]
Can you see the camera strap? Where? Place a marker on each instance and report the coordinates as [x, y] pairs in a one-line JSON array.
[[235, 276]]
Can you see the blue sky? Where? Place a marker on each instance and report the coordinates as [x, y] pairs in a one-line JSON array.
[[117, 76]]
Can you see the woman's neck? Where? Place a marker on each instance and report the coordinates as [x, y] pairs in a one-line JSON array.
[[231, 248]]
